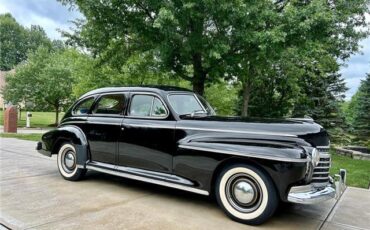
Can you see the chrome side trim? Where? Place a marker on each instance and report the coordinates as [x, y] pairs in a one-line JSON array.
[[148, 180], [189, 128], [145, 173], [245, 154], [155, 175], [152, 126], [236, 131], [103, 123]]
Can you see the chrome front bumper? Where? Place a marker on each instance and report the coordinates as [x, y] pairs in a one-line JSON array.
[[309, 194]]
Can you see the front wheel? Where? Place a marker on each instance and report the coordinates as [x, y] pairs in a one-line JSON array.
[[246, 194], [67, 163]]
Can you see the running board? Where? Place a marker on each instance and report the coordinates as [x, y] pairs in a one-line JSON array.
[[127, 172]]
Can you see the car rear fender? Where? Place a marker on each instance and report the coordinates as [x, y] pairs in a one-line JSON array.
[[55, 138]]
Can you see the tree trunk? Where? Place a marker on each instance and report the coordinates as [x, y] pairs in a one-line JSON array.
[[56, 114], [199, 76], [246, 97], [20, 113], [198, 84]]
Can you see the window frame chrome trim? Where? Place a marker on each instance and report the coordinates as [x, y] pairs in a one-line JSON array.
[[183, 93], [132, 94], [82, 100], [97, 99]]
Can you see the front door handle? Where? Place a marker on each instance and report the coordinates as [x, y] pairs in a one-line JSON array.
[[124, 126]]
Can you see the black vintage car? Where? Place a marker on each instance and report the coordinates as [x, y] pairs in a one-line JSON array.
[[171, 136]]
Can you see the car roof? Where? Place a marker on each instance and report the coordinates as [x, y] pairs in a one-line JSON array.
[[146, 88]]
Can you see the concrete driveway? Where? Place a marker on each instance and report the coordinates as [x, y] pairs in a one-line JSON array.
[[34, 196]]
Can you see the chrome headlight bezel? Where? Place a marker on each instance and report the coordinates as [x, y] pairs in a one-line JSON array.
[[315, 157]]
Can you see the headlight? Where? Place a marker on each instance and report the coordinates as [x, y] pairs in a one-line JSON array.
[[315, 157]]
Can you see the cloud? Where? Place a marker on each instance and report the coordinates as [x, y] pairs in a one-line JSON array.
[[51, 15], [356, 68]]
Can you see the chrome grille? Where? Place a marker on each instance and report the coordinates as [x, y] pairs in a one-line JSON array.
[[321, 171]]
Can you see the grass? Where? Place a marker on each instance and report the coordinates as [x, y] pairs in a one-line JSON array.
[[28, 137], [38, 119], [358, 171]]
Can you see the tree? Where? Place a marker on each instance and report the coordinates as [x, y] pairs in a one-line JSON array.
[[45, 79], [139, 69], [12, 37], [361, 111], [189, 38], [16, 41], [223, 97], [202, 41]]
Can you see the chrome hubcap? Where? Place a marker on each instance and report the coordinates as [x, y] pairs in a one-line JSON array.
[[244, 192], [69, 160]]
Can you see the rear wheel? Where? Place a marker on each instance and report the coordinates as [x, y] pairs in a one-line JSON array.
[[67, 163], [246, 194]]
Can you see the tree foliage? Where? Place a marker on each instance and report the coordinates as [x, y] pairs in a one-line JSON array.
[[360, 108], [45, 80], [16, 41], [202, 41]]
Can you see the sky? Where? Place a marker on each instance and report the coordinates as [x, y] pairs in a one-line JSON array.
[[52, 15]]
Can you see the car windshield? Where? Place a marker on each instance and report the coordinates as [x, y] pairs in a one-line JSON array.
[[189, 104]]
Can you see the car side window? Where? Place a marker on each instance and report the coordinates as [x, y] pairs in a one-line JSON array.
[[158, 109], [110, 104], [83, 107], [147, 106]]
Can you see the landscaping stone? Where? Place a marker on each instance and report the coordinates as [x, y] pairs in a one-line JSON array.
[[352, 153]]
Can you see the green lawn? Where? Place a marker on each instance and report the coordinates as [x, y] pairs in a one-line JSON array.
[[358, 171], [29, 137], [38, 119]]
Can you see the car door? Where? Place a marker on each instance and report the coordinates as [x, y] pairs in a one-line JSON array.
[[147, 136], [104, 127]]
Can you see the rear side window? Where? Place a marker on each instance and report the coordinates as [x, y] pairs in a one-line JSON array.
[[83, 107], [147, 106], [110, 104]]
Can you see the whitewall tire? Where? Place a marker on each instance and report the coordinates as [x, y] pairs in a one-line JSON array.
[[67, 163], [246, 194]]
